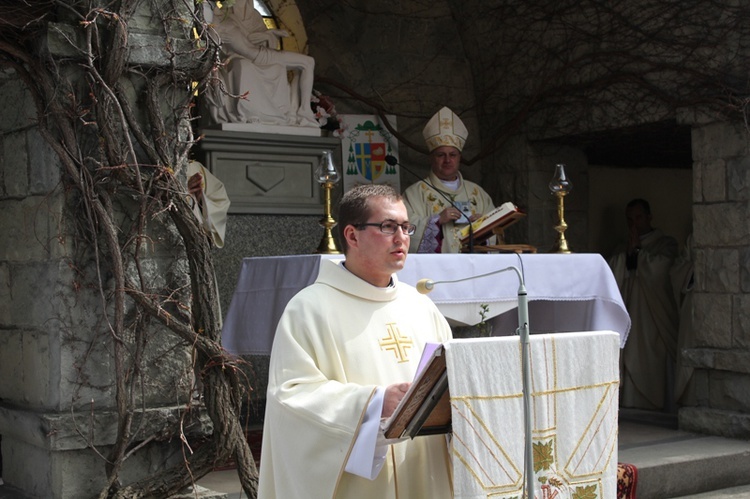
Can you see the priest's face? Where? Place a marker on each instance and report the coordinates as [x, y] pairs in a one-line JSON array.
[[638, 220], [373, 255], [444, 162]]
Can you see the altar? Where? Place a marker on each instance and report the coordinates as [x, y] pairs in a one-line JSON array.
[[566, 293]]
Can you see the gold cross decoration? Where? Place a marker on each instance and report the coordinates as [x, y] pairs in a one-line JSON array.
[[399, 344]]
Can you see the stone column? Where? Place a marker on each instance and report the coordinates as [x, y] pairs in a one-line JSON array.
[[56, 367], [721, 214], [58, 415]]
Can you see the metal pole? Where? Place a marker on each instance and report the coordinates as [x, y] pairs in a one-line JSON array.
[[523, 331]]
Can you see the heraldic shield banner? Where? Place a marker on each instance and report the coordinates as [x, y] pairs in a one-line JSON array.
[[365, 142]]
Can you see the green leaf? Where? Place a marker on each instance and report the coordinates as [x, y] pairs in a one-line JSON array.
[[543, 457]]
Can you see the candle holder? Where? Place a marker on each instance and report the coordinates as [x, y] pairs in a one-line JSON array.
[[327, 176], [560, 186]]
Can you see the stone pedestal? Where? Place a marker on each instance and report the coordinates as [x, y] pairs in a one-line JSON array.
[[57, 376], [267, 173], [49, 455]]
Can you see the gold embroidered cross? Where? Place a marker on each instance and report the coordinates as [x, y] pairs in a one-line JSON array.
[[396, 342]]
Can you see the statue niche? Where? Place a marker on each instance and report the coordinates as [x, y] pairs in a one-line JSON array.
[[254, 76]]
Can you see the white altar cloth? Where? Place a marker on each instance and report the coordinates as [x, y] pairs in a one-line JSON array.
[[566, 293], [574, 404]]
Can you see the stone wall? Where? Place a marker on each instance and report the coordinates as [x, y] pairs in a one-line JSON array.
[[57, 380], [56, 364], [721, 229], [262, 235]]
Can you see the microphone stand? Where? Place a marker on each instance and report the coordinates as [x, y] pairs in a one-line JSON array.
[[523, 333], [391, 160], [426, 285]]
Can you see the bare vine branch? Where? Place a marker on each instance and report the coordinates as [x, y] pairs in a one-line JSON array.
[[122, 133]]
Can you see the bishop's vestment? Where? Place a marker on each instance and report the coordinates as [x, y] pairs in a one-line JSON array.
[[423, 202]]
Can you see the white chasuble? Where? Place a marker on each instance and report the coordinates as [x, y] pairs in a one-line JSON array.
[[338, 340], [648, 356], [574, 406]]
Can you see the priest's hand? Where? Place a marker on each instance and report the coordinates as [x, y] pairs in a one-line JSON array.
[[449, 214], [195, 186], [634, 240], [393, 395]]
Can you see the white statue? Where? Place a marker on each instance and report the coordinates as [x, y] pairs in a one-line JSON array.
[[255, 70]]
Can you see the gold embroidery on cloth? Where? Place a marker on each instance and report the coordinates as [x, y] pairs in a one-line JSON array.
[[576, 473], [396, 342]]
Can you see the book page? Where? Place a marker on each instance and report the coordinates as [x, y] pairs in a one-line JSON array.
[[427, 353]]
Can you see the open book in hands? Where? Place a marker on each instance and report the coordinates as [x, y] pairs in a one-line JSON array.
[[425, 408], [504, 215]]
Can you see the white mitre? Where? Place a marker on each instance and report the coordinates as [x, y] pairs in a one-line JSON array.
[[445, 128]]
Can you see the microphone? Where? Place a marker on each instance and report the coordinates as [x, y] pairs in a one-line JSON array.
[[424, 286], [392, 161]]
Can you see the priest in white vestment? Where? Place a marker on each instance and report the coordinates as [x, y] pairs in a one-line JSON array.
[[344, 354], [641, 270], [443, 203], [209, 200]]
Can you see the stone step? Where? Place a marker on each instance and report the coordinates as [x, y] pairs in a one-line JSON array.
[[673, 463], [742, 492]]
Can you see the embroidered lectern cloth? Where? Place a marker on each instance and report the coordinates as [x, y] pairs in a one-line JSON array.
[[574, 403]]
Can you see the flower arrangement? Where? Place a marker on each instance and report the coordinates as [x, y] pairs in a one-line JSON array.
[[325, 112]]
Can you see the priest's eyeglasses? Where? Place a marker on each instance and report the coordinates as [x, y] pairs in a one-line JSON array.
[[389, 227]]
